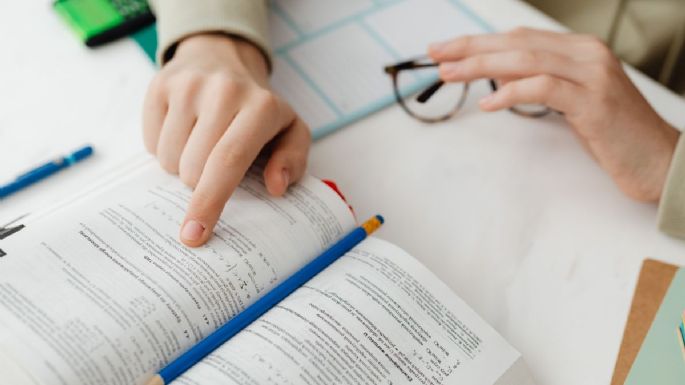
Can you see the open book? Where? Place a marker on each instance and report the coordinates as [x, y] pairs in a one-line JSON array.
[[99, 291]]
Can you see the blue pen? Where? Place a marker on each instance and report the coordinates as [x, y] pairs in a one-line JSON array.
[[262, 305], [44, 171]]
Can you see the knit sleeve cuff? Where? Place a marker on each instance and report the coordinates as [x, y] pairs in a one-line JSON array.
[[177, 19], [672, 204]]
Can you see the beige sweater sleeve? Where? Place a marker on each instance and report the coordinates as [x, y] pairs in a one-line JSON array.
[[177, 19], [672, 205]]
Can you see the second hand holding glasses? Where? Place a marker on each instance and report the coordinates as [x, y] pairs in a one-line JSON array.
[[439, 101]]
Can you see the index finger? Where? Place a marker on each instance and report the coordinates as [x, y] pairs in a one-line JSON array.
[[518, 39], [226, 165]]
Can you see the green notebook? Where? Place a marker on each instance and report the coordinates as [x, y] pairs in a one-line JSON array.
[[660, 360]]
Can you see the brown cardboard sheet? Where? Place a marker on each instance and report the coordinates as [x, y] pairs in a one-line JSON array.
[[653, 282]]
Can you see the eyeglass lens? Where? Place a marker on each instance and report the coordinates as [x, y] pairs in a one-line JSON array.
[[435, 102]]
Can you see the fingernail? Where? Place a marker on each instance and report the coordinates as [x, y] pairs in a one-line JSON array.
[[487, 100], [286, 177], [192, 230], [450, 68], [436, 47]]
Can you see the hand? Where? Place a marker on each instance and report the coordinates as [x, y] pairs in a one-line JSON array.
[[208, 113], [580, 77]]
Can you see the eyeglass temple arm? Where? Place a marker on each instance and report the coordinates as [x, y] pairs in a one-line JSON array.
[[412, 64], [407, 65], [429, 92]]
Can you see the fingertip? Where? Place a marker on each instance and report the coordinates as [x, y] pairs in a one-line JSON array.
[[433, 53], [435, 50], [277, 181], [488, 103], [442, 71], [487, 98], [192, 230], [194, 234], [451, 71]]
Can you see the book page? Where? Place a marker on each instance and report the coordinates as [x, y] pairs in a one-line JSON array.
[[376, 316], [102, 292]]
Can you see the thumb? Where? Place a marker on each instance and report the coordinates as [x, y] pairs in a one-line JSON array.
[[288, 160]]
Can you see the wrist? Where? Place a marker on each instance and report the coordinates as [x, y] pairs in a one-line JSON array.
[[233, 51], [652, 161], [662, 164]]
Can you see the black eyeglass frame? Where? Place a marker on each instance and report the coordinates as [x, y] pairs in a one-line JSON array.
[[423, 96]]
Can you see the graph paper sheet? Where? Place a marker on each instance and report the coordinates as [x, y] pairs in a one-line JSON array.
[[329, 54]]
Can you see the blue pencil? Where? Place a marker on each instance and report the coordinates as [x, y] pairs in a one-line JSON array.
[[43, 171], [261, 306]]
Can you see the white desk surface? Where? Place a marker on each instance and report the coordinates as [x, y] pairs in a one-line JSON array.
[[510, 212]]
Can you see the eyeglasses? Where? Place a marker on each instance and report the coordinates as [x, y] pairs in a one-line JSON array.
[[409, 79]]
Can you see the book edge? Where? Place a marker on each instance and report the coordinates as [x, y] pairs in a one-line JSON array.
[[517, 374]]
